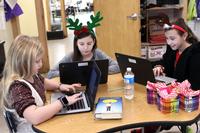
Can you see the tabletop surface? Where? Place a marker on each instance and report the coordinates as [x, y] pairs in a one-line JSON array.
[[134, 111]]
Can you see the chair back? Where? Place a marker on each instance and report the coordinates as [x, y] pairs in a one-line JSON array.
[[2, 57], [10, 121]]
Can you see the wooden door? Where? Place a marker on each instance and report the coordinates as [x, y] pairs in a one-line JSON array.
[[118, 33]]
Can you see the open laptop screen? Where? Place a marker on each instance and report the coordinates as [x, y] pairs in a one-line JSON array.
[[79, 72], [94, 79], [141, 68], [87, 103]]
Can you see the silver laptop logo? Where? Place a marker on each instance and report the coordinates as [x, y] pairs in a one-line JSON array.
[[132, 60], [83, 64]]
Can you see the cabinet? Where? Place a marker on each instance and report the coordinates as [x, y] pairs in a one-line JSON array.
[[153, 42]]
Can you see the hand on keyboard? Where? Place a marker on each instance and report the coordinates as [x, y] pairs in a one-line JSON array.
[[158, 70], [74, 98], [80, 89]]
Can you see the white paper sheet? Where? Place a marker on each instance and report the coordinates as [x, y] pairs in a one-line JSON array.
[[11, 3]]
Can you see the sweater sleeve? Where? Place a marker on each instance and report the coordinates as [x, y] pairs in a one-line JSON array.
[[168, 61], [113, 65], [194, 73], [55, 71], [21, 97]]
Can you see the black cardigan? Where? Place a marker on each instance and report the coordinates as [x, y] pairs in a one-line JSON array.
[[187, 67]]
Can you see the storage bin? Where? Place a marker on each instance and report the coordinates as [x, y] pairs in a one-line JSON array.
[[168, 105], [189, 104], [151, 96]]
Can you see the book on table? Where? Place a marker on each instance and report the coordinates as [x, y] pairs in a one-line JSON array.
[[109, 108]]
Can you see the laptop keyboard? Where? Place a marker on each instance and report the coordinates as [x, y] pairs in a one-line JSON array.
[[78, 105], [165, 79]]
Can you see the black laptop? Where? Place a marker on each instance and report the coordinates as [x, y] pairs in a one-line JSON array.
[[78, 72], [87, 103], [142, 69]]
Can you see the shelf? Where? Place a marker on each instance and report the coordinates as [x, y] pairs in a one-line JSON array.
[[166, 7], [152, 44], [154, 13]]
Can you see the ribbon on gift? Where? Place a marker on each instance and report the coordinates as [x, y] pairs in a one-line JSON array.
[[189, 92], [174, 84], [155, 86], [184, 85], [184, 89], [167, 93], [150, 85]]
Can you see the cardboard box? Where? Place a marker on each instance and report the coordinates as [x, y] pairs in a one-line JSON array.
[[144, 52], [156, 52], [149, 51]]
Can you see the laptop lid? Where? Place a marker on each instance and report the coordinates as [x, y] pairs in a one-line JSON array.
[[78, 72], [103, 67], [141, 68], [92, 85]]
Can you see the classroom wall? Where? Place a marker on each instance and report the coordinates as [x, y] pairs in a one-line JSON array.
[[7, 35], [195, 26], [28, 21], [45, 12]]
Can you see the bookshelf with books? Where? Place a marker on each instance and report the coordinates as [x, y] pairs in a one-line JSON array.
[[155, 14]]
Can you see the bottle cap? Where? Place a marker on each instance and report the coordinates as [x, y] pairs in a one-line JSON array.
[[128, 69]]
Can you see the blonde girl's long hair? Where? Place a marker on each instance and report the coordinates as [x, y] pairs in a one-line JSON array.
[[19, 63]]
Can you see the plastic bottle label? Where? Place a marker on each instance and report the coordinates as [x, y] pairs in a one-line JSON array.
[[129, 79]]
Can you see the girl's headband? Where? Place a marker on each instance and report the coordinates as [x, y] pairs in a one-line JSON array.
[[78, 28], [166, 27]]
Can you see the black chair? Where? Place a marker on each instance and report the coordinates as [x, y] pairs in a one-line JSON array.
[[12, 126], [10, 121], [2, 57]]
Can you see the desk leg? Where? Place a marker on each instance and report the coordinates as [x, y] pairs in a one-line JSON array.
[[183, 129]]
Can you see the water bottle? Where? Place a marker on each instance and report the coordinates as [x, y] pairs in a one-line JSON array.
[[129, 84]]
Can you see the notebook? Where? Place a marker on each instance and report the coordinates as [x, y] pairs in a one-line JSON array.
[[142, 69], [78, 72], [87, 103]]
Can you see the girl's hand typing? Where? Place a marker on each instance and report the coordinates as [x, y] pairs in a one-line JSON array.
[[74, 98], [69, 88], [158, 70]]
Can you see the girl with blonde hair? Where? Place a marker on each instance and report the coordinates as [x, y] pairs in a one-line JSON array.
[[24, 88]]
